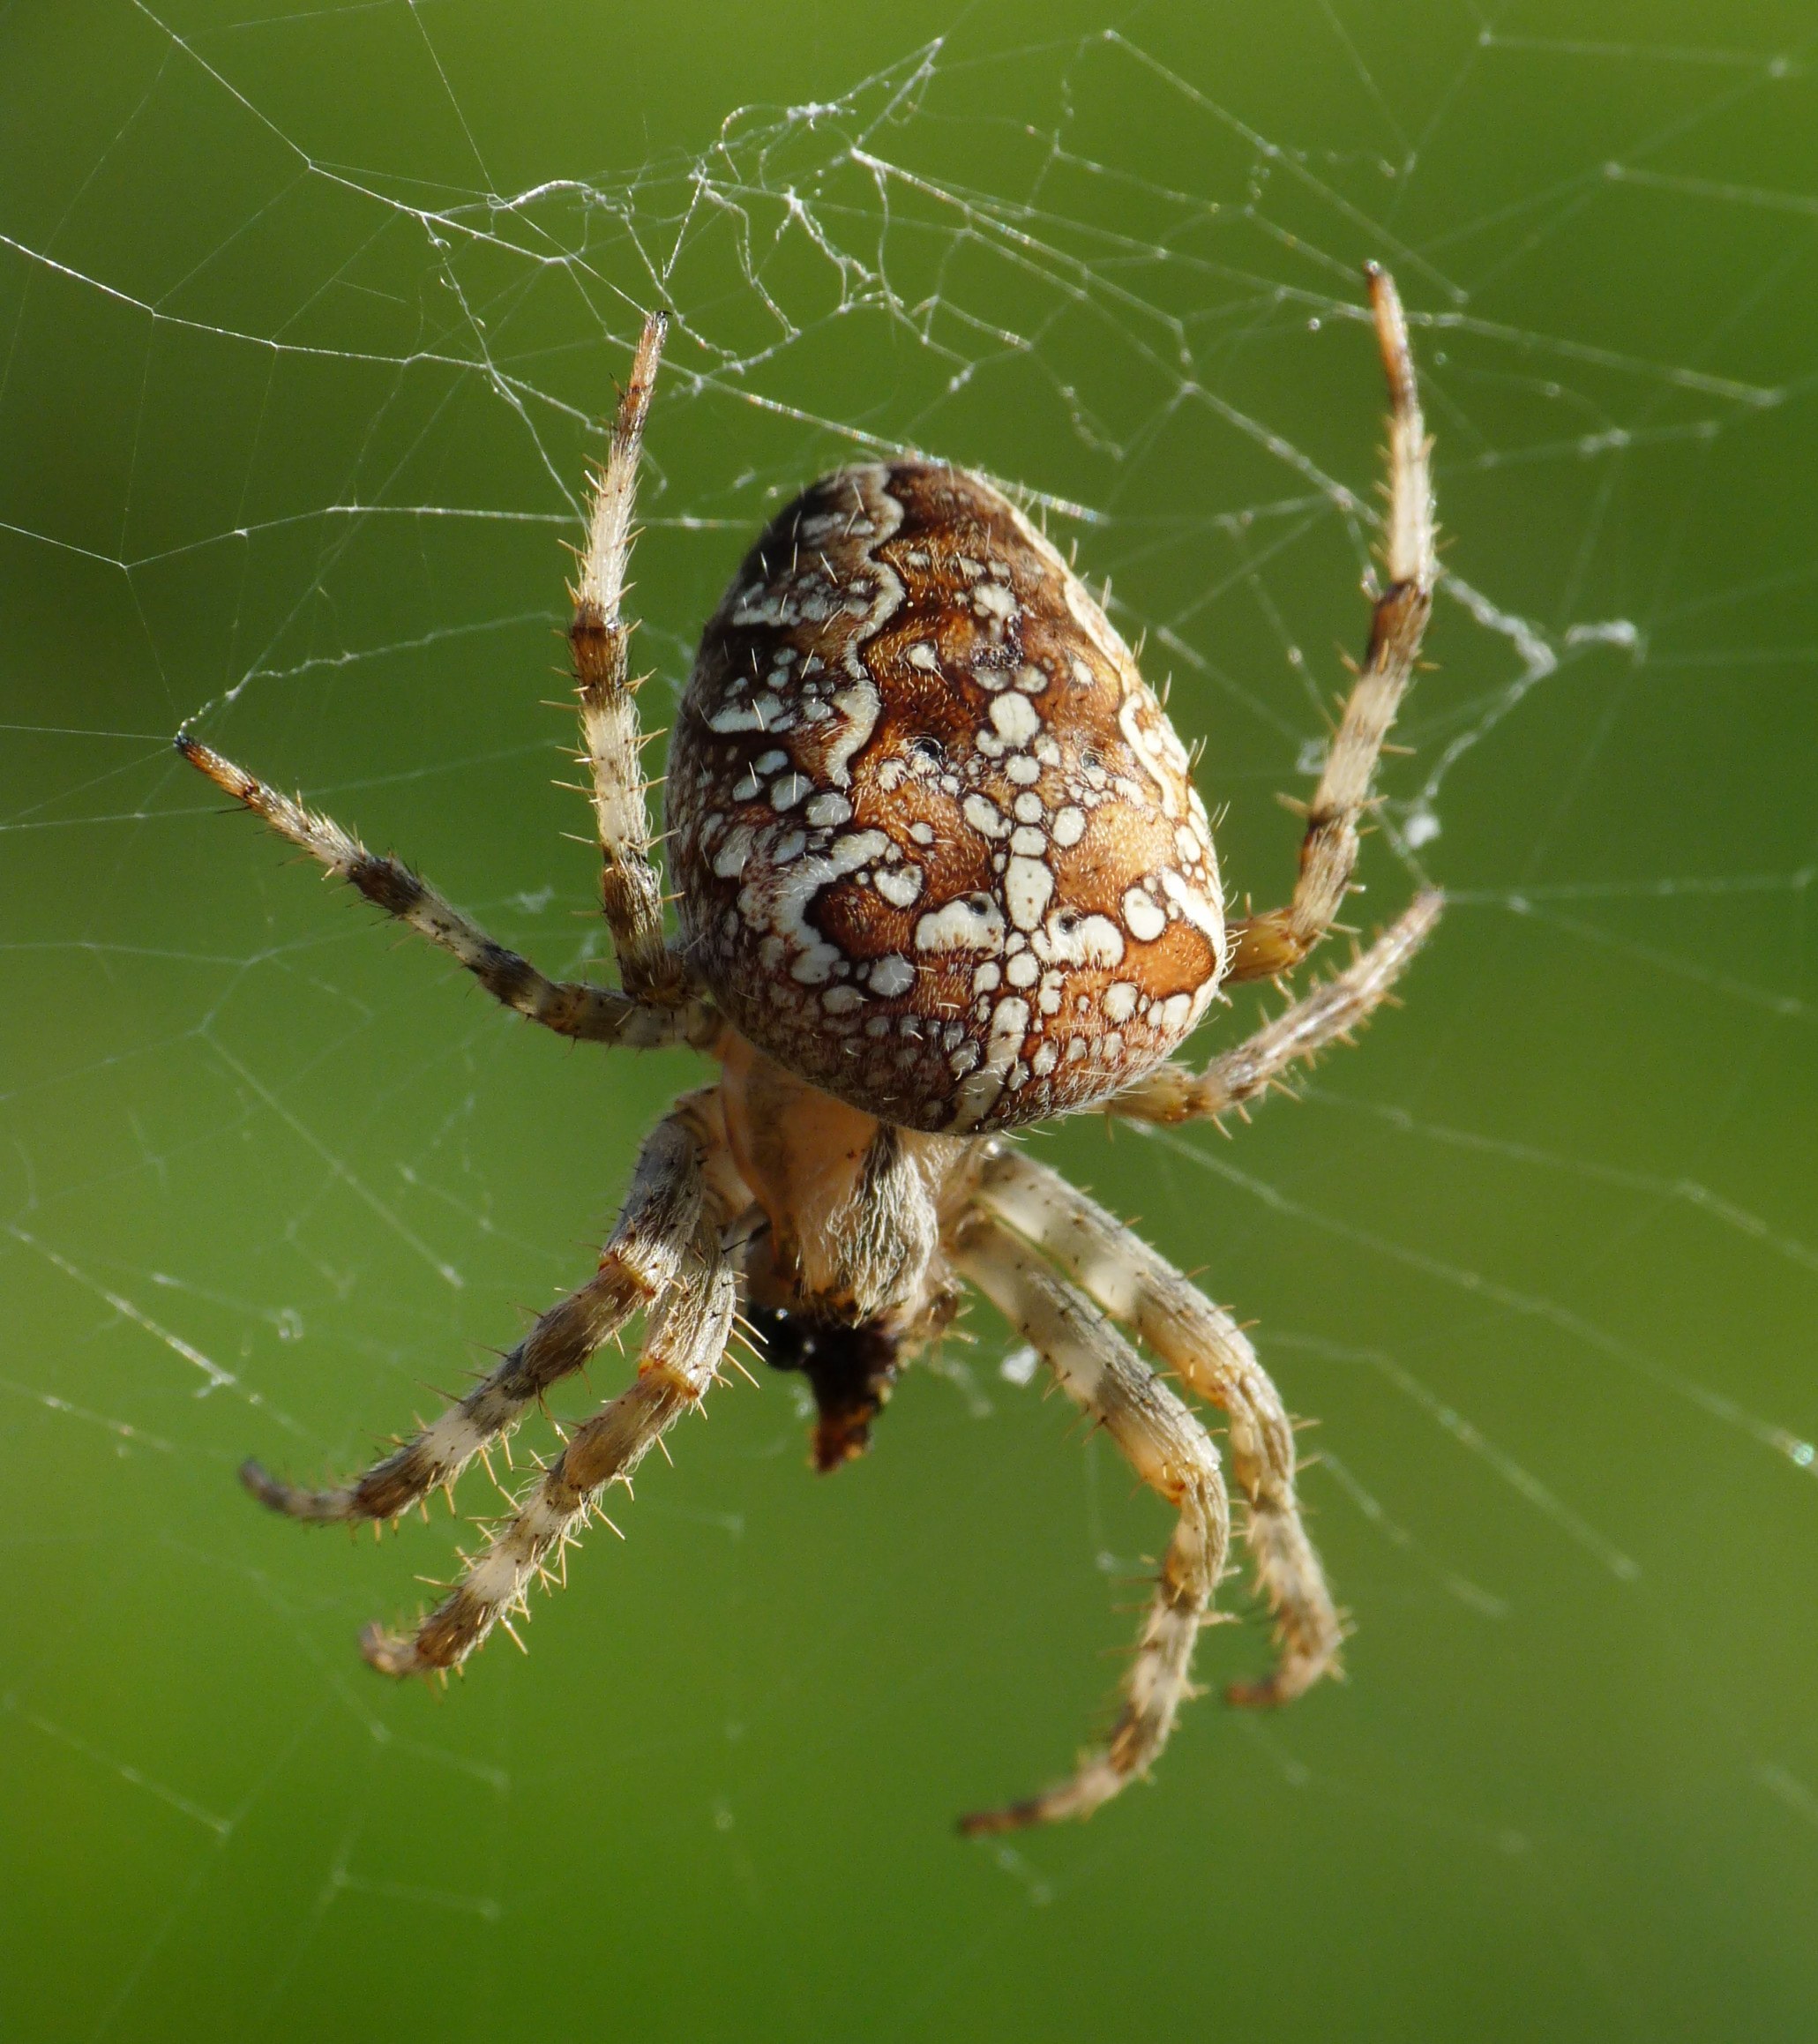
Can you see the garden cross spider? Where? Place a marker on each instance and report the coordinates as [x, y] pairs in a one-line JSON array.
[[943, 874]]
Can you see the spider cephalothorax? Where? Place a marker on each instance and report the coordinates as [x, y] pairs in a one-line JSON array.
[[943, 874]]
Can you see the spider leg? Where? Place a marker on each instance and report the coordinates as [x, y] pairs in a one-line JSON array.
[[593, 1013], [1174, 1456], [1325, 1014], [640, 1261], [688, 1330], [1263, 945], [630, 887], [1213, 1358]]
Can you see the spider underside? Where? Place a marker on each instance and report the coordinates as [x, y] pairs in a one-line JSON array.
[[846, 1238]]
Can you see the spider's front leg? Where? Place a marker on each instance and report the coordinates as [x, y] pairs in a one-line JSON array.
[[674, 1183], [1174, 1456], [1212, 1356], [686, 1337]]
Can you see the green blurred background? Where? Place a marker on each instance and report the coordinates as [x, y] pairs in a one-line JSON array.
[[304, 312]]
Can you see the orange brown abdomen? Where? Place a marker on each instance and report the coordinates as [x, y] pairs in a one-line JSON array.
[[938, 850]]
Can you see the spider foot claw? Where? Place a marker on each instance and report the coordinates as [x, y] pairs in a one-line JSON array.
[[1098, 1780], [1263, 1696], [389, 1653], [291, 1498], [1016, 1816], [1281, 1685]]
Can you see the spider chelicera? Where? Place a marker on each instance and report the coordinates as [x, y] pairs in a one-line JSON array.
[[943, 874]]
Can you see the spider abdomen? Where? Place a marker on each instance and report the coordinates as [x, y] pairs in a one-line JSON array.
[[939, 850]]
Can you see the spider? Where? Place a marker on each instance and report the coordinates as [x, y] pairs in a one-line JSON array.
[[943, 874]]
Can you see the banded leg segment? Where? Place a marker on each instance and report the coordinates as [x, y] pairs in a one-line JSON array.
[[1263, 945], [1324, 1015], [1169, 1451], [589, 1013], [640, 1262], [688, 1332], [1213, 1358], [630, 888]]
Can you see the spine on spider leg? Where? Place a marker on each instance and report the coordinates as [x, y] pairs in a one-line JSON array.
[[631, 888]]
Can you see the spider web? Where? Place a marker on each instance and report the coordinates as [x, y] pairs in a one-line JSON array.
[[306, 320]]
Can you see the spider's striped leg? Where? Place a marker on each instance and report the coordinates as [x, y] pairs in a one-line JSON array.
[[1325, 1014], [1213, 1358], [590, 1013], [1263, 945], [1173, 1455], [630, 887], [638, 1264], [688, 1331]]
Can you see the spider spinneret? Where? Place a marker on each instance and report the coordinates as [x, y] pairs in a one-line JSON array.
[[943, 874]]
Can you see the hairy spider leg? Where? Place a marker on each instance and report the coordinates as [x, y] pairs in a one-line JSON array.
[[642, 1259], [592, 1014], [1325, 1015], [631, 884], [1168, 1450], [1211, 1355], [685, 1338], [1276, 941]]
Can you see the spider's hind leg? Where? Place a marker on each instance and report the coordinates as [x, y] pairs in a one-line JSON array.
[[1276, 941], [1326, 1014], [600, 637]]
